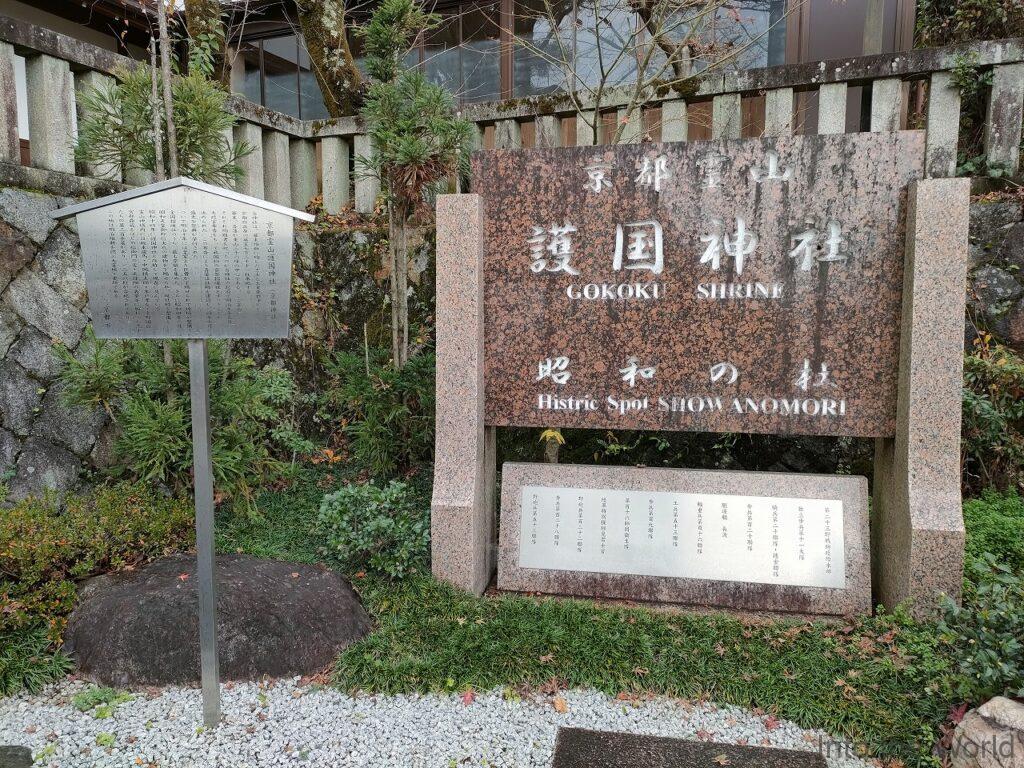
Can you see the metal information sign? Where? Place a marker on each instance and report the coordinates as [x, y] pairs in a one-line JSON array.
[[719, 537], [181, 259]]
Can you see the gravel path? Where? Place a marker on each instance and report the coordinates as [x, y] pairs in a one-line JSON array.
[[284, 724]]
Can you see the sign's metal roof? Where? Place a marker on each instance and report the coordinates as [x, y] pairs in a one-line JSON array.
[[179, 181]]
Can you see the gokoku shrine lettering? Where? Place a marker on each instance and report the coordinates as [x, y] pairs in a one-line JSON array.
[[731, 286]]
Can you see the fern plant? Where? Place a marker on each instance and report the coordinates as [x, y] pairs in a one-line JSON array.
[[254, 432]]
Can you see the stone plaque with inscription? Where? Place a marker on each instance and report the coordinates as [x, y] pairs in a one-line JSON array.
[[183, 259], [740, 286], [794, 285], [743, 540]]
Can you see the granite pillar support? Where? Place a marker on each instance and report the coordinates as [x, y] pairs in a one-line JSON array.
[[302, 160], [585, 122], [10, 147], [886, 104], [462, 517], [277, 186], [674, 121], [1004, 116], [918, 522], [507, 135], [726, 117], [943, 125], [251, 182], [832, 108], [632, 125], [334, 153], [778, 112], [51, 106], [548, 131], [367, 186]]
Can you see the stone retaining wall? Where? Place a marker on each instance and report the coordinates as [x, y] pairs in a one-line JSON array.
[[46, 444], [996, 287], [43, 442]]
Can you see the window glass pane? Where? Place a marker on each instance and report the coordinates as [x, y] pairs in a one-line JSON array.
[[607, 43], [543, 39], [250, 55], [355, 45], [441, 55], [281, 70], [481, 55], [751, 32], [312, 106], [675, 27]]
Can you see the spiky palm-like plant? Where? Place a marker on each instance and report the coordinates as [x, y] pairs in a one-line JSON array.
[[418, 141]]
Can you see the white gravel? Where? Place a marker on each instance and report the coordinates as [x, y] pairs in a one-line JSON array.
[[285, 724]]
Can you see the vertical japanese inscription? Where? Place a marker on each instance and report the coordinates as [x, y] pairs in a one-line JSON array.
[[185, 263], [749, 286], [763, 540]]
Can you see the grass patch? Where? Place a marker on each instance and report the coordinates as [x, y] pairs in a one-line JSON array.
[[995, 524], [284, 524], [882, 682], [28, 661]]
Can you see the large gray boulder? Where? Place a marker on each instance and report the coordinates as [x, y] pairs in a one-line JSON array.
[[34, 352], [44, 466], [19, 397], [273, 618], [29, 212], [60, 265], [74, 427], [991, 736], [38, 304], [993, 286]]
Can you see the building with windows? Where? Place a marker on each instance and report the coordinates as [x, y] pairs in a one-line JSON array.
[[491, 51]]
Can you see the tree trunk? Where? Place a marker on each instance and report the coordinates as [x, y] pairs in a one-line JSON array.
[[165, 69], [324, 29], [402, 260], [154, 103], [204, 19], [396, 321]]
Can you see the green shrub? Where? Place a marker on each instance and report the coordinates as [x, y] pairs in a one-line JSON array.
[[117, 127], [946, 22], [987, 632], [993, 417], [251, 412], [384, 530], [44, 550], [995, 525], [28, 660], [386, 414]]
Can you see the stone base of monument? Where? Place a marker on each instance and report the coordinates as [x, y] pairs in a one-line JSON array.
[[273, 618], [745, 541], [581, 748]]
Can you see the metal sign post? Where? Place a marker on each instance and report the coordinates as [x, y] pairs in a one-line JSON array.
[[181, 259], [198, 369]]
